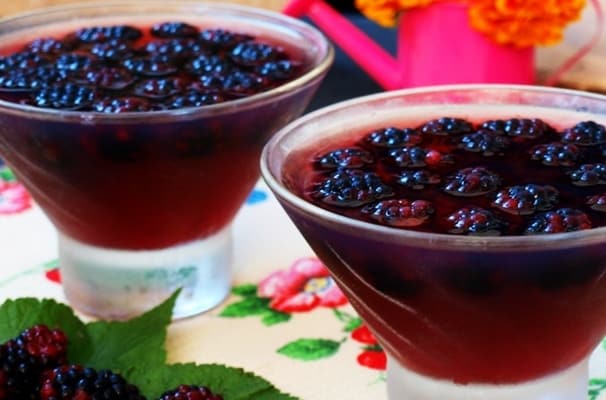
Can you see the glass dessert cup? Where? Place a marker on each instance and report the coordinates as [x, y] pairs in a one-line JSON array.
[[460, 317], [143, 201]]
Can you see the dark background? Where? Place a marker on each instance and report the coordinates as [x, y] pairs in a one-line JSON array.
[[345, 79]]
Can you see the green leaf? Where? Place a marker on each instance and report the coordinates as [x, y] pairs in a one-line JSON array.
[[596, 387], [353, 325], [231, 383], [6, 175], [18, 315], [310, 349], [247, 290], [121, 345], [246, 307], [52, 264], [275, 317]]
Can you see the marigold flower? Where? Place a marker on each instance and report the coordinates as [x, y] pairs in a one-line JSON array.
[[524, 23], [520, 23], [383, 12]]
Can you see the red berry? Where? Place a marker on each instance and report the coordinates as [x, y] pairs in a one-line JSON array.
[[363, 335], [373, 359]]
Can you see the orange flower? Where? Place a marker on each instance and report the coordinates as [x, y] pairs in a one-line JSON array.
[[519, 23], [524, 23], [385, 12]]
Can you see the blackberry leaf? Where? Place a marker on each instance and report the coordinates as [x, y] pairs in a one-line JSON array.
[[231, 383], [121, 345]]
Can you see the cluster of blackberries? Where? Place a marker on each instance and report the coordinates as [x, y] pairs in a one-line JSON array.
[[33, 366], [120, 68]]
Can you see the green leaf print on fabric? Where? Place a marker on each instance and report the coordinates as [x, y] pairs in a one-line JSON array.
[[253, 305], [596, 387], [6, 175], [310, 349]]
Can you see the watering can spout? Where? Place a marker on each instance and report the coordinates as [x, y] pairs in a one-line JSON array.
[[371, 57]]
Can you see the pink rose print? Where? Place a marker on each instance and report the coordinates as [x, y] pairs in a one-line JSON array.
[[301, 288], [13, 198]]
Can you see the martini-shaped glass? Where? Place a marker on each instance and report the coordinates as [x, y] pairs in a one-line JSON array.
[[460, 317], [143, 201]]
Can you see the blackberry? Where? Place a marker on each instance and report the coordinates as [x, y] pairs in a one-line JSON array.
[[447, 126], [276, 71], [254, 54], [211, 83], [527, 199], [241, 84], [351, 188], [597, 202], [556, 154], [124, 104], [174, 30], [484, 141], [110, 78], [105, 33], [351, 157], [24, 61], [417, 179], [19, 80], [415, 156], [23, 359], [174, 48], [73, 382], [153, 66], [48, 346], [193, 98], [223, 39], [75, 61], [204, 64], [589, 175], [48, 46], [393, 137], [586, 133], [66, 96], [159, 88], [400, 212], [473, 181], [475, 221], [113, 50], [558, 221], [519, 127], [190, 392]]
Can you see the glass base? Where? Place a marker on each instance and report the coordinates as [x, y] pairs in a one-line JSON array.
[[570, 384], [120, 284]]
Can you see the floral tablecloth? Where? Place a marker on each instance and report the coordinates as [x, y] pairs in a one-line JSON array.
[[285, 320]]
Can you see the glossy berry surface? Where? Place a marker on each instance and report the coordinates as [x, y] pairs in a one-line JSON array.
[[95, 65], [473, 181], [190, 392], [559, 221], [24, 358], [447, 126], [476, 221], [526, 199], [351, 188], [400, 212], [73, 382], [586, 133], [490, 177], [345, 158], [527, 128]]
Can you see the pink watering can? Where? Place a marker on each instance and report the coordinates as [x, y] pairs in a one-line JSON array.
[[435, 45]]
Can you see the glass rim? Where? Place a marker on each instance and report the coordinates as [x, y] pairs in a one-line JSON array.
[[317, 70], [426, 239]]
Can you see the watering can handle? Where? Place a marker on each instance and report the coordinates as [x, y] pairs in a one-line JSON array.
[[371, 57], [568, 64]]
